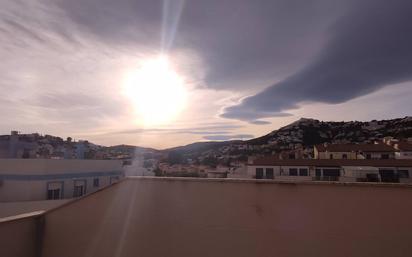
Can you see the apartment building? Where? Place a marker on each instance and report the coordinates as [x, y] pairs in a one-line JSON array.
[[354, 151], [344, 170], [403, 150], [46, 179]]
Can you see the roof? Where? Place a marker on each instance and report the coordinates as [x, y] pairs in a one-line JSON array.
[[355, 148], [271, 161]]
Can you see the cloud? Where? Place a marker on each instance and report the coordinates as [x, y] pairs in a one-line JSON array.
[[259, 122], [369, 48], [227, 137], [204, 130], [240, 41]]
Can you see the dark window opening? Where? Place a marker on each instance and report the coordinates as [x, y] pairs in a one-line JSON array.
[[331, 156], [344, 156], [53, 194], [388, 176], [371, 177], [259, 173], [332, 173], [293, 172], [403, 174], [303, 172], [318, 172], [269, 173], [385, 156], [368, 156]]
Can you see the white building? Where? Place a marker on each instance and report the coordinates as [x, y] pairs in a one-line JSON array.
[[404, 150], [41, 179], [344, 170], [354, 151]]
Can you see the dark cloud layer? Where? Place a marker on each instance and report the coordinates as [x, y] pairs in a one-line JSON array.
[[237, 39], [369, 48]]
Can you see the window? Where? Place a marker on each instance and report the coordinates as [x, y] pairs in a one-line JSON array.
[[331, 172], [96, 182], [403, 174], [368, 156], [54, 190], [293, 172], [371, 177], [388, 175], [330, 156], [53, 194], [79, 188], [344, 156], [303, 172], [259, 173], [269, 173], [385, 156]]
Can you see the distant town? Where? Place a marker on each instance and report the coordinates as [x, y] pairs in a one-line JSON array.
[[306, 139]]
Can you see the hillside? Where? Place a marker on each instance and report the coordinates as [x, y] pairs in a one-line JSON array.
[[310, 131], [301, 134]]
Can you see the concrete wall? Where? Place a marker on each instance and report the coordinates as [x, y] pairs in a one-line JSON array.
[[19, 237], [201, 217], [15, 208]]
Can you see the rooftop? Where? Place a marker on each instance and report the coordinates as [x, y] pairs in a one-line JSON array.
[[211, 217]]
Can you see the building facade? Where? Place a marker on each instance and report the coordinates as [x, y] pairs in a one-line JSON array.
[[344, 170], [42, 179], [404, 150], [354, 151]]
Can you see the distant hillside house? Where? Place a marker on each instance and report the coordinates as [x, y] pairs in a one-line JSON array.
[[354, 151]]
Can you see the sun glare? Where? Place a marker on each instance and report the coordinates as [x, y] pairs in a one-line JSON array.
[[156, 91]]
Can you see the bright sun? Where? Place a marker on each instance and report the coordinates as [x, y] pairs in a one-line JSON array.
[[156, 91]]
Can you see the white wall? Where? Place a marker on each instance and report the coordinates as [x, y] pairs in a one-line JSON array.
[[403, 155]]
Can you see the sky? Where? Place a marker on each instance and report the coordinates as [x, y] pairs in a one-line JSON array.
[[234, 69]]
